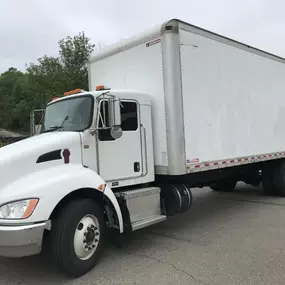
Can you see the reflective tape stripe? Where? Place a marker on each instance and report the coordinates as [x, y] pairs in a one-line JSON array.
[[209, 165]]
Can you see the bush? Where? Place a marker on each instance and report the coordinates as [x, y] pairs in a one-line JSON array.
[[8, 140], [2, 144]]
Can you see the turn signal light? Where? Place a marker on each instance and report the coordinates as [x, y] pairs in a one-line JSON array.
[[101, 187]]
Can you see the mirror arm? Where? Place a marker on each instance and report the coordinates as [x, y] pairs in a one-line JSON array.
[[92, 131]]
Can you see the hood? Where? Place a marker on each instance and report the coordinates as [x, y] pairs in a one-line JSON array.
[[37, 153]]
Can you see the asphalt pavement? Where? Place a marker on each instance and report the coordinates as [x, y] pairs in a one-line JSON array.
[[226, 238]]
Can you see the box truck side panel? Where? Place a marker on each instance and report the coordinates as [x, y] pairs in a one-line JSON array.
[[233, 100], [138, 68]]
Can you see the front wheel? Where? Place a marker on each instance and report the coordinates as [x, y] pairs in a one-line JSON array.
[[77, 237]]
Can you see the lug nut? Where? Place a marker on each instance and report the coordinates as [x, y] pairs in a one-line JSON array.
[[80, 227]]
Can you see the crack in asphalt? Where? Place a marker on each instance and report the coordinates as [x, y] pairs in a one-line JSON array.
[[169, 264], [175, 238], [170, 236], [250, 201]]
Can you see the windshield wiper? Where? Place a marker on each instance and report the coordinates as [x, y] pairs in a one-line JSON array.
[[55, 128]]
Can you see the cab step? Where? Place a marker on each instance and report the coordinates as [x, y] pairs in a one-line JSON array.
[[148, 222], [143, 205]]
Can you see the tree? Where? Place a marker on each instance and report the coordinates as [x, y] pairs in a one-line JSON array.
[[49, 77], [46, 79], [11, 96], [54, 75], [74, 54]]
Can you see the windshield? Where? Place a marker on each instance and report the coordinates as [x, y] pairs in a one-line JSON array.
[[73, 114]]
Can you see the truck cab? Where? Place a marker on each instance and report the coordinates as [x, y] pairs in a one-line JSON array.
[[89, 169], [116, 132]]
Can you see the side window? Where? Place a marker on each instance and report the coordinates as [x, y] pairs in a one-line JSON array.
[[129, 116]]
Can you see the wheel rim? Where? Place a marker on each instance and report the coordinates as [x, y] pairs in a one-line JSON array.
[[86, 237]]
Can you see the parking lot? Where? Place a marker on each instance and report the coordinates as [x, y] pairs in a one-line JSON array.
[[226, 238]]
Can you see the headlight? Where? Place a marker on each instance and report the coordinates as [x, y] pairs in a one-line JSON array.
[[19, 209]]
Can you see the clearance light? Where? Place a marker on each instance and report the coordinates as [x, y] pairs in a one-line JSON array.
[[71, 92], [101, 87], [55, 98]]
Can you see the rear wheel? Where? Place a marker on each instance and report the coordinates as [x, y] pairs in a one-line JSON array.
[[278, 179], [78, 236], [224, 185], [267, 180], [177, 198]]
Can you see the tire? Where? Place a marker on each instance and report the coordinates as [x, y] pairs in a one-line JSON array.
[[79, 224], [177, 198], [267, 180], [172, 199], [224, 185], [278, 179], [186, 196]]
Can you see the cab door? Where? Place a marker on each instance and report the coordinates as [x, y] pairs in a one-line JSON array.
[[120, 159]]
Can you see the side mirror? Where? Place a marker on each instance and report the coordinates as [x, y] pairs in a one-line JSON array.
[[112, 122], [38, 129], [114, 112], [36, 117], [115, 118], [116, 132]]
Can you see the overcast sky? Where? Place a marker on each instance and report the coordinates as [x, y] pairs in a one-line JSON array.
[[31, 28]]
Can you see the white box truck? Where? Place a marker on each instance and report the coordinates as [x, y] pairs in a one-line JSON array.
[[175, 108]]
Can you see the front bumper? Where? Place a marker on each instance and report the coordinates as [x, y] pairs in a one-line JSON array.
[[22, 240]]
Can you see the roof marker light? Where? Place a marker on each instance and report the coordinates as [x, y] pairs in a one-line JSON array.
[[71, 92], [101, 87]]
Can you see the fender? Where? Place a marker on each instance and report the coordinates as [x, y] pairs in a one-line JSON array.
[[51, 185]]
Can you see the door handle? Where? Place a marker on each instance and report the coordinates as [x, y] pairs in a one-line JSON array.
[[137, 167]]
